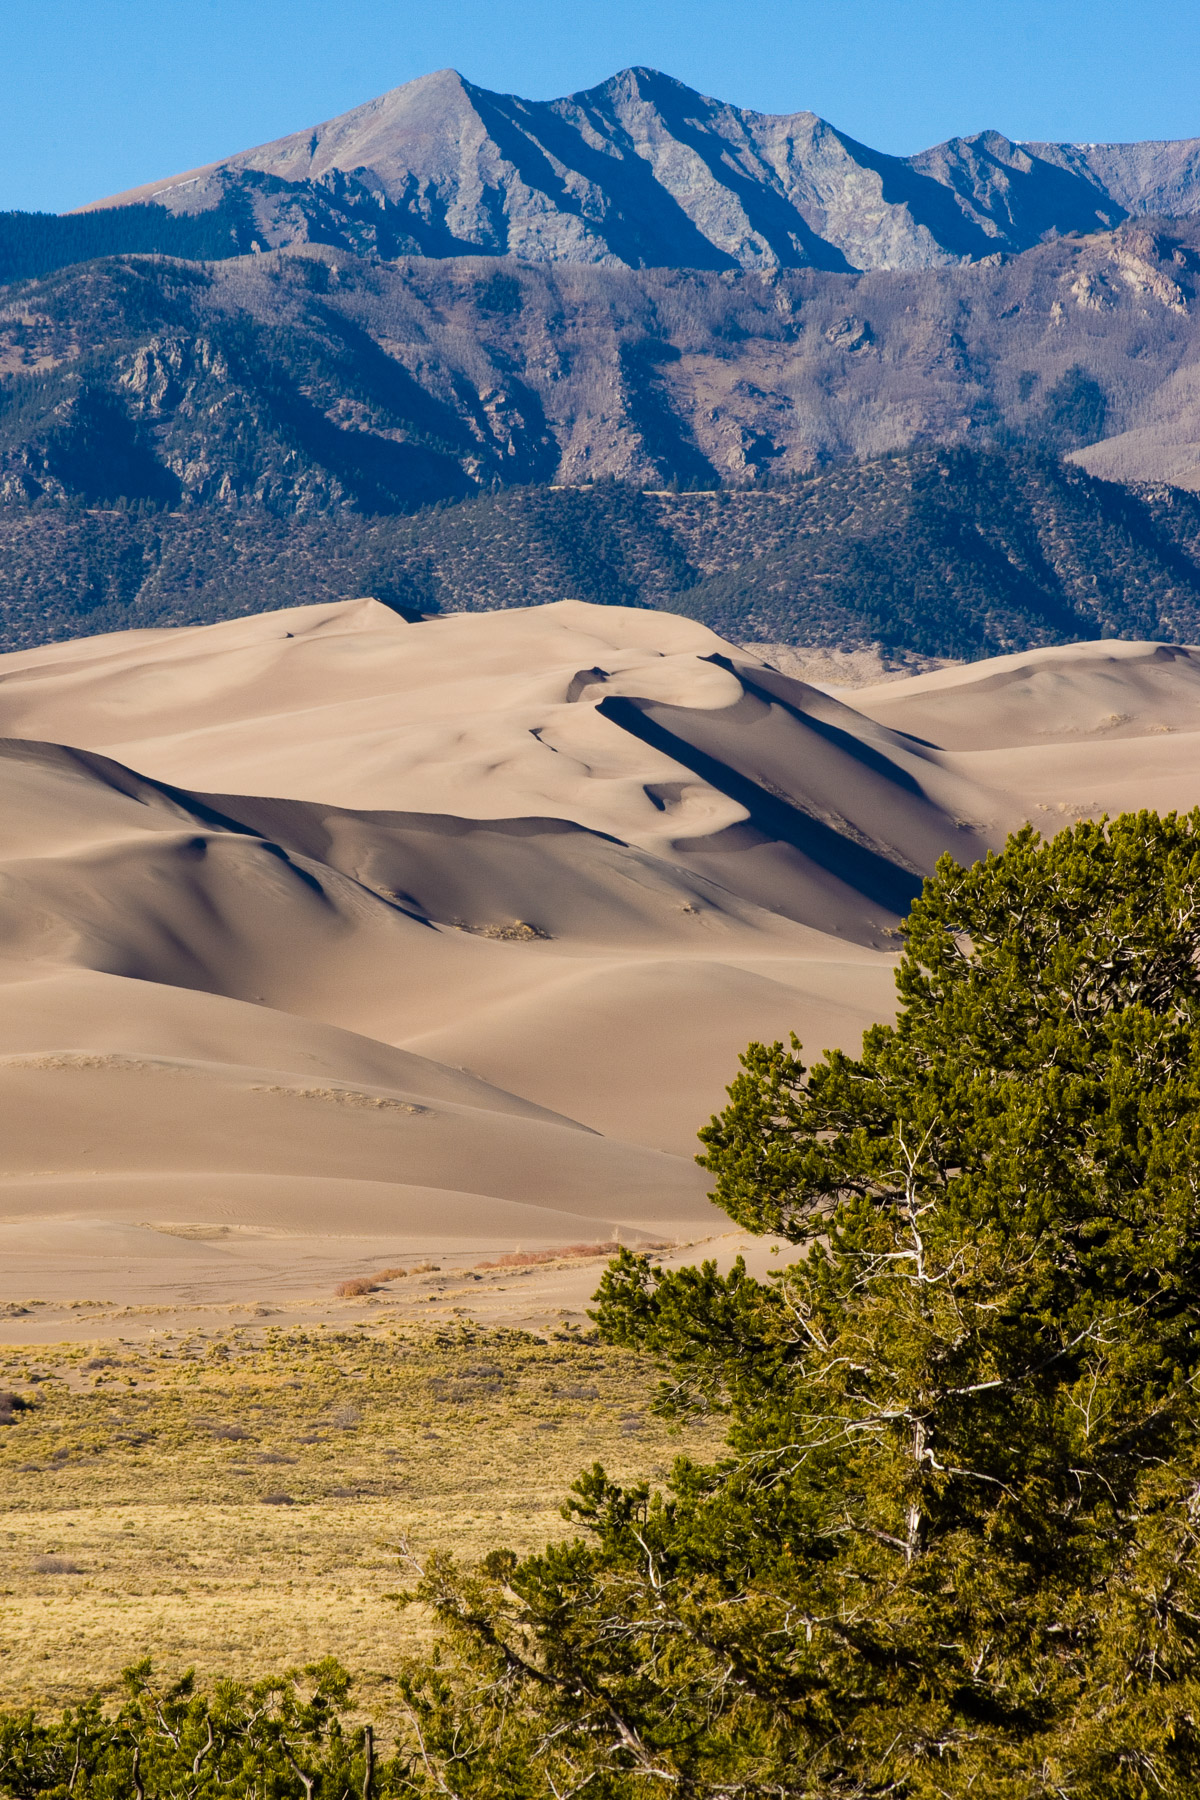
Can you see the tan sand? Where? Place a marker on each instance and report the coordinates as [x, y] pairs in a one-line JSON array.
[[337, 936], [1061, 695]]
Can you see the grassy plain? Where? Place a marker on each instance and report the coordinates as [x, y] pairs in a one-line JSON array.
[[235, 1497]]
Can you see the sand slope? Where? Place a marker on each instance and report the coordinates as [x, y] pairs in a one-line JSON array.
[[1060, 695], [323, 923], [1064, 732]]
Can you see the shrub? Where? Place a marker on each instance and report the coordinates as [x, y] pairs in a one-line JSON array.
[[288, 1738], [367, 1284]]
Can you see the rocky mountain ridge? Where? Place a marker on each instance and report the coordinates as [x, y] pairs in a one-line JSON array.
[[644, 172], [311, 380]]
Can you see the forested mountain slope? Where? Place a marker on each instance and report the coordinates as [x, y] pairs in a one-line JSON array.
[[951, 553]]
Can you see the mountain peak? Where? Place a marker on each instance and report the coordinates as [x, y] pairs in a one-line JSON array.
[[639, 78], [642, 170]]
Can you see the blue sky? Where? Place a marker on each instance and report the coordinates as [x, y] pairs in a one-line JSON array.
[[98, 95]]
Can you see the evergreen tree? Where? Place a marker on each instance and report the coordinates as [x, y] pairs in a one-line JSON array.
[[953, 1547]]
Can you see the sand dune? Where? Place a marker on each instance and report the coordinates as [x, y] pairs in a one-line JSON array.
[[1064, 732], [321, 925], [1061, 695]]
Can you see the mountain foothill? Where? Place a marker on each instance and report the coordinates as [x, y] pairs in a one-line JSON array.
[[183, 439]]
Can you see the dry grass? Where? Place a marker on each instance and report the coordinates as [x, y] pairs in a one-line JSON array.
[[525, 1259], [145, 1510]]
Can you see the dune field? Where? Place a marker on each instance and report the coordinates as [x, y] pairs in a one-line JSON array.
[[329, 939]]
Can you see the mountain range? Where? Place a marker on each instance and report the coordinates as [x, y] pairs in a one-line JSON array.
[[643, 171], [234, 388]]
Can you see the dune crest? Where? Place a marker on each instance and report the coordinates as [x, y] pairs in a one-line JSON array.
[[321, 922]]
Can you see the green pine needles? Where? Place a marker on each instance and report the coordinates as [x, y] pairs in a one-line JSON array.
[[954, 1546], [282, 1739]]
